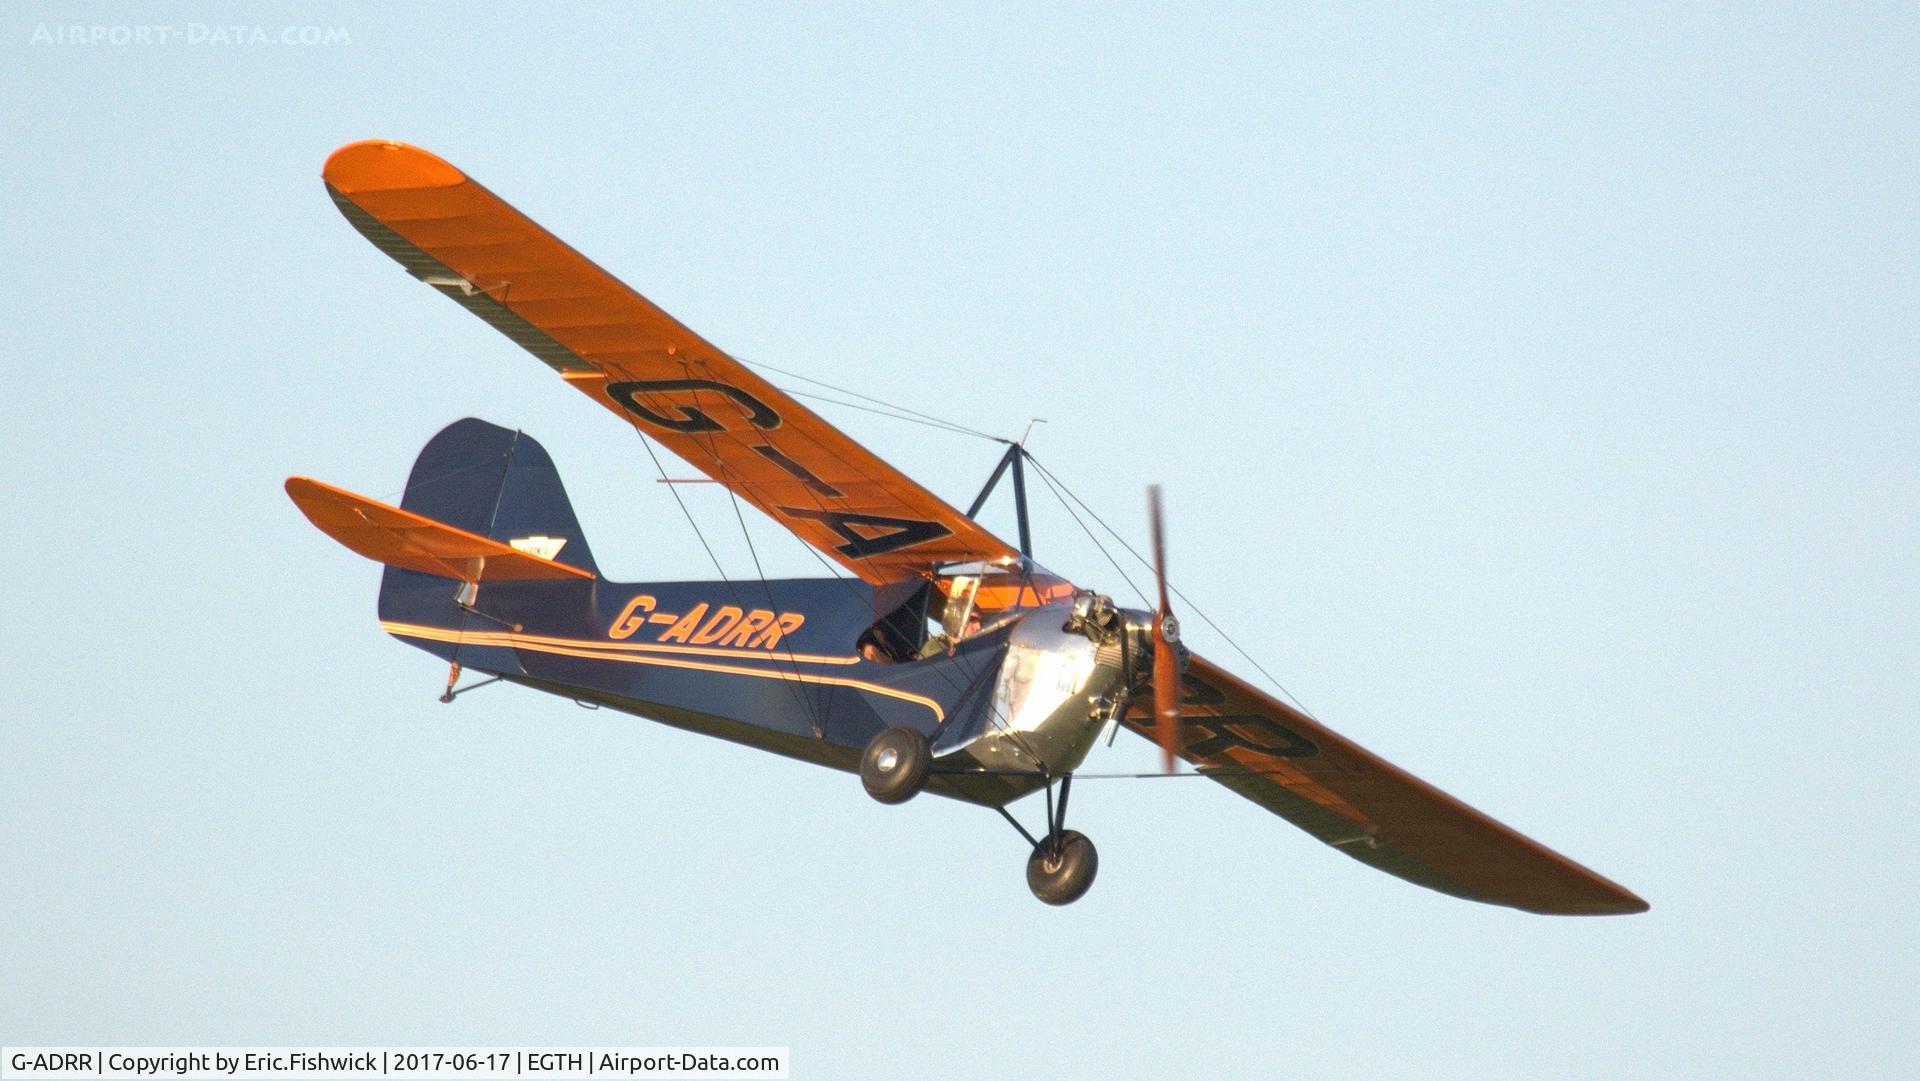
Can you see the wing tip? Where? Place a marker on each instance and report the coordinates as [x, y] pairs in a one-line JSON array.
[[317, 499], [303, 490], [1627, 905], [1617, 902], [383, 164]]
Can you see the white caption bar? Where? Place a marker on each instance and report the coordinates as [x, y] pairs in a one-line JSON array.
[[341, 1063]]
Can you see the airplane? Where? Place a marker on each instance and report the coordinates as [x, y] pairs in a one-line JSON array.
[[945, 660]]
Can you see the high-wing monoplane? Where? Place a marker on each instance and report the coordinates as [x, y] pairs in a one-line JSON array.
[[944, 659]]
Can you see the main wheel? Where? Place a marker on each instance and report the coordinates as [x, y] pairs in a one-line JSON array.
[[895, 765], [1061, 874]]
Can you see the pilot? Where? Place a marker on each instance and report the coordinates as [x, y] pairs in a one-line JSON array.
[[940, 643], [870, 650]]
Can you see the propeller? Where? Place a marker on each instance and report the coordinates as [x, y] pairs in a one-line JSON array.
[[1166, 635]]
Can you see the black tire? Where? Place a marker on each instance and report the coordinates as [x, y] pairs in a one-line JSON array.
[[895, 765], [1062, 875]]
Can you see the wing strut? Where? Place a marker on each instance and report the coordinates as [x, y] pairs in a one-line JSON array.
[[1016, 456]]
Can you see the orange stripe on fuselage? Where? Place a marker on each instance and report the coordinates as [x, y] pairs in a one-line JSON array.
[[625, 654]]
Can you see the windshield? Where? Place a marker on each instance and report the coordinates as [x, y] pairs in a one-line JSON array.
[[993, 590]]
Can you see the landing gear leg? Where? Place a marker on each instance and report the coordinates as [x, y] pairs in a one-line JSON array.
[[453, 676], [1063, 863]]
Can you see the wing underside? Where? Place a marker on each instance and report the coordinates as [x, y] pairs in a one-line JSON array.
[[624, 352], [1369, 808]]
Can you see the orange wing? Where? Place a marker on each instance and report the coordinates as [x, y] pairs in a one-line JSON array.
[[640, 362], [401, 538], [1369, 808]]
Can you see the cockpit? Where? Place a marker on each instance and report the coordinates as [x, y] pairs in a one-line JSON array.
[[957, 603]]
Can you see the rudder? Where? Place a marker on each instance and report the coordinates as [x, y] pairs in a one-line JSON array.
[[501, 484]]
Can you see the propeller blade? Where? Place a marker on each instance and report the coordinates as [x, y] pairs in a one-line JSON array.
[[1159, 542], [1166, 631]]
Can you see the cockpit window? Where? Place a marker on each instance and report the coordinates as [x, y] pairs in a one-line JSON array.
[[960, 592], [993, 588], [957, 604]]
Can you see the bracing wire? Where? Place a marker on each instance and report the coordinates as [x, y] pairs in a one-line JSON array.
[[793, 663], [1067, 497], [926, 417], [1058, 487], [1118, 569], [1188, 601], [993, 710], [675, 490], [1154, 776], [938, 425]]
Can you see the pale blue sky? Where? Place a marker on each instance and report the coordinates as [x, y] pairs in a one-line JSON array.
[[1535, 394]]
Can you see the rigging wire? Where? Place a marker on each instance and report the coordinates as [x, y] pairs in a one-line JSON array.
[[1118, 569], [955, 425], [766, 588], [938, 425], [1054, 484], [675, 490], [793, 663], [711, 446], [898, 412], [993, 710], [1197, 610], [994, 715], [1154, 776], [1058, 487]]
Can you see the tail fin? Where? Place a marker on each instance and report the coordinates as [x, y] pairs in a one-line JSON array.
[[500, 484], [483, 536]]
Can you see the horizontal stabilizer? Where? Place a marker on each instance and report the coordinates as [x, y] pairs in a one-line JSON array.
[[401, 538]]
